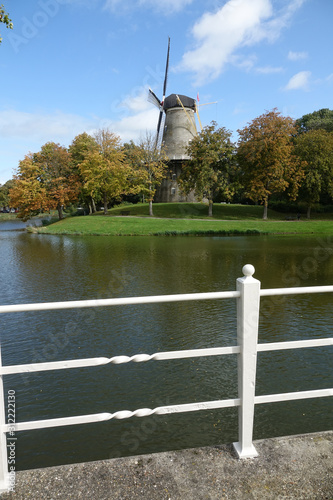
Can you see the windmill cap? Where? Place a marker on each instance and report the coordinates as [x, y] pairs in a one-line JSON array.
[[172, 102]]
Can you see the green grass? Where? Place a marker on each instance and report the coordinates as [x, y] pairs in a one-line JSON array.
[[4, 217], [197, 211], [200, 211], [186, 219], [10, 216]]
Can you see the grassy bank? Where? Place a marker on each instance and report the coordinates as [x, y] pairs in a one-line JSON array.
[[5, 217], [186, 219], [221, 211]]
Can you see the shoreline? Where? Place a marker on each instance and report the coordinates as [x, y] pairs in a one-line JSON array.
[[146, 226]]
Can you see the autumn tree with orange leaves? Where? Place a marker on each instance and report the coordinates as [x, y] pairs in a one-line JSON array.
[[266, 158], [44, 181], [103, 170]]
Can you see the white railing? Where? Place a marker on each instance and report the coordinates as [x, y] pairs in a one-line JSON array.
[[247, 293]]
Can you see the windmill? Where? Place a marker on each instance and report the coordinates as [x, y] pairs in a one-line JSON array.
[[176, 122]]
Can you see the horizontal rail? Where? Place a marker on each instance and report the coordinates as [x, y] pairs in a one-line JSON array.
[[293, 396], [161, 410], [120, 415], [73, 304], [296, 290], [80, 304], [159, 356], [117, 360], [294, 344]]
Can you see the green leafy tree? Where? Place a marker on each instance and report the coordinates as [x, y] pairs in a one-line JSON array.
[[315, 150], [82, 145], [44, 181], [211, 169], [266, 157], [149, 166], [322, 119], [4, 193], [4, 18], [103, 170]]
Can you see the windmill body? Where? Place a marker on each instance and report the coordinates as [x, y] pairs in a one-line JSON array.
[[179, 127]]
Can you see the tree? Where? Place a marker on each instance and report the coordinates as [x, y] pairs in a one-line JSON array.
[[44, 181], [81, 146], [149, 166], [103, 170], [212, 167], [4, 18], [4, 193], [265, 155], [315, 149], [322, 119]]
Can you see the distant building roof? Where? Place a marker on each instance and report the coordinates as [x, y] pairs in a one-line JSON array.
[[172, 102]]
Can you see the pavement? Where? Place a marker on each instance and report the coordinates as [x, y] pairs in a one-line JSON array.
[[293, 467]]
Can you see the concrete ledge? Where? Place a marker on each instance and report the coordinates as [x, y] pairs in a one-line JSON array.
[[294, 467]]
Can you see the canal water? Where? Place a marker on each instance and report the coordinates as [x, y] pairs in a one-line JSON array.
[[41, 268]]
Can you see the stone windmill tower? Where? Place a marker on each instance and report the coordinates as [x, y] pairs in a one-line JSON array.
[[176, 127]]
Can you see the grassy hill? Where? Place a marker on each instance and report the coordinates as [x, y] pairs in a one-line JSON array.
[[197, 211], [186, 219]]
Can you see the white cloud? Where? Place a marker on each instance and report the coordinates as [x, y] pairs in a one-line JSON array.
[[132, 127], [136, 116], [297, 56], [165, 6], [281, 19], [39, 126], [219, 36], [300, 81], [136, 101], [244, 63]]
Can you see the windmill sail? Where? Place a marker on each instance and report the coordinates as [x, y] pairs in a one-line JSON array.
[[159, 128], [166, 72], [152, 97]]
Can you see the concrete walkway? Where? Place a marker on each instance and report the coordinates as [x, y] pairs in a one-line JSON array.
[[296, 467]]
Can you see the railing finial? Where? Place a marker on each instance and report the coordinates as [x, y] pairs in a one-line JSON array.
[[248, 270]]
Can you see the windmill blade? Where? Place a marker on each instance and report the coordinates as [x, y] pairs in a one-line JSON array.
[[198, 116], [152, 97], [159, 135], [166, 71], [159, 126]]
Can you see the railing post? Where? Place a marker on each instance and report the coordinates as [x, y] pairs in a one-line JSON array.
[[247, 339], [4, 483]]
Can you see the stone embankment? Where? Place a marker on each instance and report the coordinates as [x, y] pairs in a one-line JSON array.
[[296, 467]]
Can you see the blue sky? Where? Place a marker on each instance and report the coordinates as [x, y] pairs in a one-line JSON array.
[[70, 66]]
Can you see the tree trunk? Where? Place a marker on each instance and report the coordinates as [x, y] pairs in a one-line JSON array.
[[90, 209], [308, 213], [60, 213], [210, 208], [93, 205], [150, 202], [105, 205], [265, 210]]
